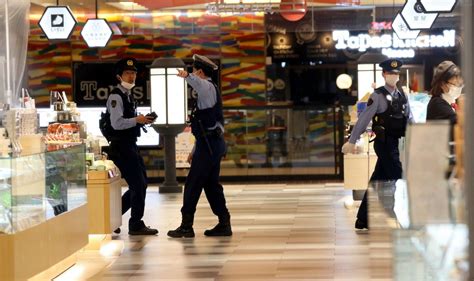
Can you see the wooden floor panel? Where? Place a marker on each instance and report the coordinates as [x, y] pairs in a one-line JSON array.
[[281, 232]]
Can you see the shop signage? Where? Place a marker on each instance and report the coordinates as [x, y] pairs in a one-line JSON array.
[[96, 33], [438, 6], [391, 43], [414, 16], [384, 25], [57, 22], [93, 83], [402, 30]]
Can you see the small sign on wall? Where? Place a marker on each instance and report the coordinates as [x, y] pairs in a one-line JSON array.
[[57, 22]]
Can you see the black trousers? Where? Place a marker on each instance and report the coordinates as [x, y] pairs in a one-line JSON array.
[[388, 167], [204, 174], [127, 158]]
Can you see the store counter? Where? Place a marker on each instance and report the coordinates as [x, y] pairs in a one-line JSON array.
[[43, 212]]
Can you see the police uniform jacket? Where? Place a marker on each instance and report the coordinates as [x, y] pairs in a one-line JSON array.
[[122, 109], [207, 111], [377, 105]]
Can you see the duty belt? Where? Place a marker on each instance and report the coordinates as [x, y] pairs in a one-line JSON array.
[[217, 132]]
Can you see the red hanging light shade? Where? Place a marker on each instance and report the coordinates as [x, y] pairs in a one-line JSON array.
[[293, 10]]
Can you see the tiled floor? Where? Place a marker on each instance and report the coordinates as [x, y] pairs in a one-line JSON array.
[[281, 232]]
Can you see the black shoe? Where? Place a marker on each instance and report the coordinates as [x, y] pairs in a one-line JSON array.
[[145, 230], [359, 224], [181, 232], [219, 230], [117, 231]]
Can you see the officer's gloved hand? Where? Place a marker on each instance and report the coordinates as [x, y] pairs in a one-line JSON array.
[[348, 148]]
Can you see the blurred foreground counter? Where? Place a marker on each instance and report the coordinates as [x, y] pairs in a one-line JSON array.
[[43, 213]]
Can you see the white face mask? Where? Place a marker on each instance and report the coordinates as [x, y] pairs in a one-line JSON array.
[[454, 92], [127, 85], [391, 80]]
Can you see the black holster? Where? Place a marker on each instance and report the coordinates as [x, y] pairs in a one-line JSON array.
[[379, 132]]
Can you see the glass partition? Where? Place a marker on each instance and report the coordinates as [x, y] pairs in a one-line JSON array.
[[37, 187], [283, 141]]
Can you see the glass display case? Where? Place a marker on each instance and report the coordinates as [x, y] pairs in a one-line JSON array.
[[426, 210], [37, 187], [429, 252]]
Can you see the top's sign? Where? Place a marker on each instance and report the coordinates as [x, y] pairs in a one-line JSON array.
[[57, 22]]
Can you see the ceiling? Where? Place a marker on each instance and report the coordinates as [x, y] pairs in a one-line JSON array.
[[111, 6]]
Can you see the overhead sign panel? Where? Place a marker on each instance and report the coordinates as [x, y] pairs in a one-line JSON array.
[[57, 22], [414, 16], [402, 30], [96, 33], [438, 6]]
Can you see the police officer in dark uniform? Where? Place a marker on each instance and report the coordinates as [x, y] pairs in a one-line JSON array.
[[123, 148], [389, 111], [207, 122]]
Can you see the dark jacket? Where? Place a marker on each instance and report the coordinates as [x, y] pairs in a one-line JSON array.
[[440, 109]]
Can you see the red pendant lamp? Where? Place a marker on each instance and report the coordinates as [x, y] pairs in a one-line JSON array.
[[293, 10]]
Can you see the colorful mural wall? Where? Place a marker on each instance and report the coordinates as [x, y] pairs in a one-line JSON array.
[[238, 42]]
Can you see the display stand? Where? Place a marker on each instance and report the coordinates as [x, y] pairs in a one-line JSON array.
[[43, 213], [104, 193]]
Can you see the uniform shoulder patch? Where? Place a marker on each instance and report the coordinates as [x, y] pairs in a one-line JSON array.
[[370, 102], [114, 103]]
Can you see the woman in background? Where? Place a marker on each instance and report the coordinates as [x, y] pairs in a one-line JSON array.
[[446, 87]]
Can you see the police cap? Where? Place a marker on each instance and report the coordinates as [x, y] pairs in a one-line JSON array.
[[202, 61], [391, 65], [126, 64]]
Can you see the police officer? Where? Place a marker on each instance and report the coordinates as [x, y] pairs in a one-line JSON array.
[[207, 122], [389, 111], [123, 147]]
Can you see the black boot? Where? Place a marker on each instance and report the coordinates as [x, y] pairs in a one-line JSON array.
[[223, 228], [360, 224], [185, 229], [140, 229]]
